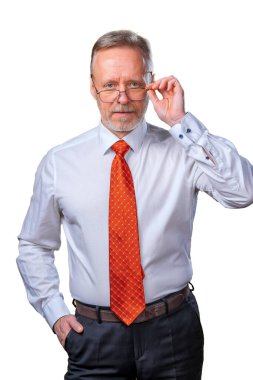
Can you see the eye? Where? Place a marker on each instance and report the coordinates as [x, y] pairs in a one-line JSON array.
[[110, 86], [134, 84]]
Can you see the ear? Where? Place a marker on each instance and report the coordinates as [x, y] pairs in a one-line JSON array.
[[92, 89], [150, 78]]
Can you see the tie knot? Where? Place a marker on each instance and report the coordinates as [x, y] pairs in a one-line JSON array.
[[120, 147]]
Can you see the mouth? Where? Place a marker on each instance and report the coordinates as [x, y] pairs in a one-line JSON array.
[[122, 112]]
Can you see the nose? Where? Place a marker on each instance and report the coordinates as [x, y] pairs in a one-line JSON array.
[[123, 98]]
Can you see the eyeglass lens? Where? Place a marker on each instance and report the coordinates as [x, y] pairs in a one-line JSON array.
[[133, 94]]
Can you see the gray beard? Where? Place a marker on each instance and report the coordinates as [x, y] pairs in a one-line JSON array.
[[123, 128], [127, 128]]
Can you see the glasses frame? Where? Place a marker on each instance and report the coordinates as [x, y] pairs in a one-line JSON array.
[[119, 92]]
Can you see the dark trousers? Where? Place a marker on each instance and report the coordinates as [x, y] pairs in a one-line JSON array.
[[167, 347]]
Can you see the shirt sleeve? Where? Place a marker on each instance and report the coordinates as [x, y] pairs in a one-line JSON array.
[[220, 170], [39, 238]]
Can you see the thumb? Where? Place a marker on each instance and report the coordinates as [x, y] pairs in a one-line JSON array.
[[75, 325], [153, 97]]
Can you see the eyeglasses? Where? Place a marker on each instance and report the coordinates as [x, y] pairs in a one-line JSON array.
[[109, 96]]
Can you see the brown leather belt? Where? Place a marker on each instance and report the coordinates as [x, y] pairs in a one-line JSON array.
[[152, 310]]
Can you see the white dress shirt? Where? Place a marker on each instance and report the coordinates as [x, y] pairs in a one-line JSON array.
[[71, 188]]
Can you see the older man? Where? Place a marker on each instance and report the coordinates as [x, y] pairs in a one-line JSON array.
[[126, 193]]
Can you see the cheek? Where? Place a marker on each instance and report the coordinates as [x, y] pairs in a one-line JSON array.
[[142, 109], [103, 108]]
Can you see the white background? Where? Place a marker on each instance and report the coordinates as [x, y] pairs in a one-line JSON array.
[[45, 100]]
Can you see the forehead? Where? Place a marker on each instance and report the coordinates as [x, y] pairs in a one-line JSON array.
[[118, 62]]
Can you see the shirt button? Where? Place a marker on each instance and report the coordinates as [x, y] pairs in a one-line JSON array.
[[181, 136], [207, 158], [188, 130]]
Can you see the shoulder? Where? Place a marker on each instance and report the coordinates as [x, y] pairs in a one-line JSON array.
[[158, 134], [76, 142], [70, 148]]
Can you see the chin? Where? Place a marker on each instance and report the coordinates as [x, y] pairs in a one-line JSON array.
[[122, 128]]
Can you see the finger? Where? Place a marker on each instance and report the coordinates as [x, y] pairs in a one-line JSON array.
[[153, 95], [167, 84], [159, 83], [154, 85]]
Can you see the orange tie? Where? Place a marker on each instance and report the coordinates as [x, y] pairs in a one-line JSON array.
[[126, 274]]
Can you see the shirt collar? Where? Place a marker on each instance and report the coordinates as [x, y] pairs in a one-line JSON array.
[[134, 139]]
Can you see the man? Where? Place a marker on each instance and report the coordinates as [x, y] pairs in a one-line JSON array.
[[126, 194]]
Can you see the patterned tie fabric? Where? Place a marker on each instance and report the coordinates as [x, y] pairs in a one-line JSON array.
[[126, 274]]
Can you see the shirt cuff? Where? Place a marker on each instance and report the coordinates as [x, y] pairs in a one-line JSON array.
[[189, 131], [55, 309]]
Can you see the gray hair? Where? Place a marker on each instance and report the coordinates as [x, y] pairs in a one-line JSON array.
[[124, 38]]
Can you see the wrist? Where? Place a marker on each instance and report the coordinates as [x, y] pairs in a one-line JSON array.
[[177, 120]]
